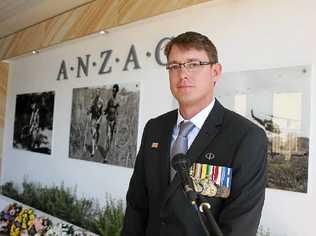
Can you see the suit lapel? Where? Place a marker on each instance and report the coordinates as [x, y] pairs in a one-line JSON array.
[[164, 163], [205, 136], [208, 132]]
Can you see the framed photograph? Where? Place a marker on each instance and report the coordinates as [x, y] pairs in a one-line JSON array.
[[33, 123], [278, 100], [104, 124]]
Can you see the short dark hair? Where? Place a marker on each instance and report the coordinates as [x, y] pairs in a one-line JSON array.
[[116, 87], [194, 40]]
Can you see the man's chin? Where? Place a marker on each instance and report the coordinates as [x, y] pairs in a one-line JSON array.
[[185, 101]]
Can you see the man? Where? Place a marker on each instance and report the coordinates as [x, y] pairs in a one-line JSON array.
[[95, 116], [220, 141], [34, 125], [111, 116]]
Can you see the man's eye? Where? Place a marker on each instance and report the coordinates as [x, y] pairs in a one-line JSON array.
[[193, 65], [174, 67]]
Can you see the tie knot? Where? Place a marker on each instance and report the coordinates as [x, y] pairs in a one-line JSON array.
[[185, 128]]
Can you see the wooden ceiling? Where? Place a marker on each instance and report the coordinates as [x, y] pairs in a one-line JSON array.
[[29, 25], [16, 15]]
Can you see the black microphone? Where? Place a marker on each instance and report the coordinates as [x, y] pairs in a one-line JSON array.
[[181, 163]]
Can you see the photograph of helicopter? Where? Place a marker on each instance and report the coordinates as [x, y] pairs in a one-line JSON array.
[[272, 99]]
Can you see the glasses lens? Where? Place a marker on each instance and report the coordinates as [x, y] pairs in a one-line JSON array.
[[192, 65], [173, 67]]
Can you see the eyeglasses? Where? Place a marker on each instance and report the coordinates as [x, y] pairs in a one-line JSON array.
[[191, 66]]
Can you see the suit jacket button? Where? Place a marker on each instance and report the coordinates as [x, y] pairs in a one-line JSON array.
[[163, 223]]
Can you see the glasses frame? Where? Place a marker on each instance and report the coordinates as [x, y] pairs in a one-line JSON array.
[[185, 65]]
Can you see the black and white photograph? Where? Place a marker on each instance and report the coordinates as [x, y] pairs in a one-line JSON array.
[[104, 124], [33, 123], [277, 100]]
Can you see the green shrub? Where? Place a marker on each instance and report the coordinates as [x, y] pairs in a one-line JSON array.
[[109, 221], [9, 190], [62, 203]]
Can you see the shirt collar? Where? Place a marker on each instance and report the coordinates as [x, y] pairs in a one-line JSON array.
[[199, 119]]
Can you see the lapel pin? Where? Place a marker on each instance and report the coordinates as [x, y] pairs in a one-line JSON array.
[[154, 145], [209, 156]]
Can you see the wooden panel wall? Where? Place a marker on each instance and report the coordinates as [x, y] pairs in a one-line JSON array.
[[3, 88], [85, 20]]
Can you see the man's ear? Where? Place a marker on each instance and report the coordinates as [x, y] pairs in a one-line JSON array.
[[216, 72]]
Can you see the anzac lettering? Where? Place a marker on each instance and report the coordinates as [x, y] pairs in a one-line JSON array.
[[107, 55], [62, 71], [83, 66], [132, 57]]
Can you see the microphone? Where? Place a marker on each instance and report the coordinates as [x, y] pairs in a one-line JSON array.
[[181, 163]]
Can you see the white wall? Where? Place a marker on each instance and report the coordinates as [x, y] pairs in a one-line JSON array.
[[249, 34]]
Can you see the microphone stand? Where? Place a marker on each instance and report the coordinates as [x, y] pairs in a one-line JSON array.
[[181, 164], [205, 208], [192, 195]]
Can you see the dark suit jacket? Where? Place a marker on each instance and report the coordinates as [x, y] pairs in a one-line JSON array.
[[155, 207]]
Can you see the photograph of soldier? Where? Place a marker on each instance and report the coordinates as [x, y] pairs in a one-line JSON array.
[[272, 100], [95, 116], [33, 122], [104, 124], [111, 116]]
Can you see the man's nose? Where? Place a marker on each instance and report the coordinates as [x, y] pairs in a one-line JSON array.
[[183, 73]]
